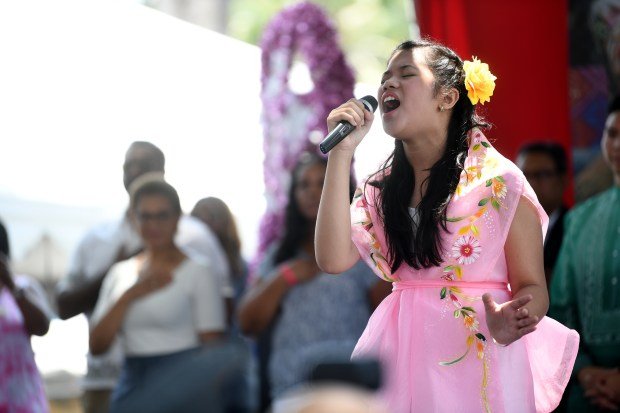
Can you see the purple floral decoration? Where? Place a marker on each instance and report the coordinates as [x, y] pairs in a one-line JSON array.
[[303, 31]]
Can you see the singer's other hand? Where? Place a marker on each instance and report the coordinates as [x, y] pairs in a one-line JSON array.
[[354, 112]]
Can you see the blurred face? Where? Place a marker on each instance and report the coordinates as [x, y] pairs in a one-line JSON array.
[[541, 172], [156, 221], [406, 95], [201, 211], [138, 161], [308, 189], [610, 144], [204, 213]]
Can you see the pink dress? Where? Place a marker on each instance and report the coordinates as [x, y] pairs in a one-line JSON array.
[[21, 387], [430, 332]]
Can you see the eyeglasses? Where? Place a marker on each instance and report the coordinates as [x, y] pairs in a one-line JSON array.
[[540, 175], [161, 216]]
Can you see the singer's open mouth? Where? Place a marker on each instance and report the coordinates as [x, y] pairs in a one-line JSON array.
[[390, 103]]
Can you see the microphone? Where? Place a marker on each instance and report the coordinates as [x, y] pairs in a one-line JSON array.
[[344, 128]]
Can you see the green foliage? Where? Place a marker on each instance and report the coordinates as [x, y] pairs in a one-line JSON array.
[[369, 29]]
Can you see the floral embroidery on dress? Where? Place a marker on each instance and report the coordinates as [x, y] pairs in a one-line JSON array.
[[480, 173], [475, 337], [456, 338], [466, 249], [364, 219]]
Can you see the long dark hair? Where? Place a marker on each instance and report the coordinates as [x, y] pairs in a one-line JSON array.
[[418, 243], [153, 184], [296, 226], [216, 214], [4, 241]]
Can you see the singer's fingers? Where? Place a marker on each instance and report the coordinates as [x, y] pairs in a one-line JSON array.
[[533, 320], [349, 116], [522, 313], [358, 103], [488, 301], [359, 109], [521, 301], [368, 117], [526, 330], [350, 113]]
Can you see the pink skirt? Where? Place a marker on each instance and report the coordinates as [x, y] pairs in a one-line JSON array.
[[437, 360]]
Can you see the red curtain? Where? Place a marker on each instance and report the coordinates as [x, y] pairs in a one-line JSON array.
[[525, 44]]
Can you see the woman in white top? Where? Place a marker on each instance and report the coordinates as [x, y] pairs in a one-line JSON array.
[[163, 306]]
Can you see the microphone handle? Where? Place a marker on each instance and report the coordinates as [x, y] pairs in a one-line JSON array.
[[339, 133]]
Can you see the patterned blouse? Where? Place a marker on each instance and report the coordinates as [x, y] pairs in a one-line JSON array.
[[585, 287], [21, 387], [319, 320]]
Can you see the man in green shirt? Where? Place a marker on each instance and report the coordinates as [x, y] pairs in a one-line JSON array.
[[585, 289]]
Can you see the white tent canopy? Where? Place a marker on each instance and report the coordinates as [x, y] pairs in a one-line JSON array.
[[45, 260], [81, 79]]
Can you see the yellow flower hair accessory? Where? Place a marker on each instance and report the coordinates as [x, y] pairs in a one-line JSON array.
[[479, 81]]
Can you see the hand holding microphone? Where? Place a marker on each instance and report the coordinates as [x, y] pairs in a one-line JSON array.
[[354, 114]]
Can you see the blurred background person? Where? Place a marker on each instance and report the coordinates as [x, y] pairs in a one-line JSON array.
[[112, 242], [163, 304], [585, 292], [311, 316], [329, 398], [343, 387], [23, 312], [544, 164], [215, 213], [217, 216]]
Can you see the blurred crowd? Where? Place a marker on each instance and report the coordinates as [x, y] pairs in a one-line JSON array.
[[176, 322], [179, 321]]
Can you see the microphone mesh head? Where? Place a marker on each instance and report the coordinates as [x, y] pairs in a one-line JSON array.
[[370, 102]]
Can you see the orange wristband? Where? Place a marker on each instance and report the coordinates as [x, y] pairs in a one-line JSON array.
[[288, 275]]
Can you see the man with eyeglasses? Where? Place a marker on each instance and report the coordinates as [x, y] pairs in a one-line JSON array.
[[544, 165], [111, 242]]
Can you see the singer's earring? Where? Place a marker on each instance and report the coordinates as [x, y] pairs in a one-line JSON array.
[[441, 108]]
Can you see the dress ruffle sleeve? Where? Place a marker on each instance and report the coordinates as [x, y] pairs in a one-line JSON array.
[[367, 232]]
